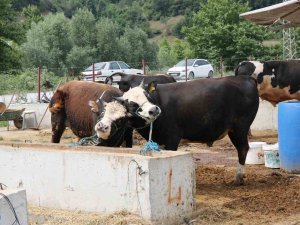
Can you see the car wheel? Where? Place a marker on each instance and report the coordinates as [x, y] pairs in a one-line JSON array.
[[191, 76], [210, 74], [108, 80]]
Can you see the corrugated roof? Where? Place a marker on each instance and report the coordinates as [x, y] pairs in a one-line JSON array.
[[288, 11]]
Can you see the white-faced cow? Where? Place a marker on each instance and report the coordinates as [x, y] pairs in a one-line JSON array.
[[70, 106], [131, 80], [201, 110], [276, 80]]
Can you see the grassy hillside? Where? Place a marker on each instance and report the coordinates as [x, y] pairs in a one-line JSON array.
[[165, 27]]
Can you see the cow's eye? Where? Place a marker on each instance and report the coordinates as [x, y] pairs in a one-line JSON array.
[[133, 107]]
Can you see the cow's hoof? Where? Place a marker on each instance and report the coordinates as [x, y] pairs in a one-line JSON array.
[[239, 180]]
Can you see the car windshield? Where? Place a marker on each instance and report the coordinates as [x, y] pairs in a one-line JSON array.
[[182, 62], [123, 65], [98, 66]]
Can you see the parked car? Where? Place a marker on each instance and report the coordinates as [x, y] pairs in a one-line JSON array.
[[105, 69], [196, 68]]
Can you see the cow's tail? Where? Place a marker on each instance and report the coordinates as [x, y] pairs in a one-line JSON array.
[[109, 79], [56, 102]]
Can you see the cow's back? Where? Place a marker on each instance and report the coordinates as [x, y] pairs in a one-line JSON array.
[[207, 109]]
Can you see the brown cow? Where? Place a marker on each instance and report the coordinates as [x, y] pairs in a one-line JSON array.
[[70, 105]]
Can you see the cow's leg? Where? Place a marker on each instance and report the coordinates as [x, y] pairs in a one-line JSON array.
[[58, 127], [240, 141], [172, 141], [128, 137]]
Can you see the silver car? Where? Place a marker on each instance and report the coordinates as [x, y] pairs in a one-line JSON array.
[[196, 68], [105, 69]]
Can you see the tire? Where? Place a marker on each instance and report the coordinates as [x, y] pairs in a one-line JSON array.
[[18, 122], [108, 80], [210, 74], [191, 76]]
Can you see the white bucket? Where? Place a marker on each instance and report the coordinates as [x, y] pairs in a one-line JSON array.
[[271, 154], [255, 154]]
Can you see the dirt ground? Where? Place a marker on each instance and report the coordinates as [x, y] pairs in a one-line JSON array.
[[269, 196]]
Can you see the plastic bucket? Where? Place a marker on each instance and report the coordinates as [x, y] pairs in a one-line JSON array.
[[255, 154], [289, 136], [271, 155]]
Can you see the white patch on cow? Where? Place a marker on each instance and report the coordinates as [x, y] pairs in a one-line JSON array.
[[259, 67], [113, 111], [272, 76], [240, 169], [137, 95]]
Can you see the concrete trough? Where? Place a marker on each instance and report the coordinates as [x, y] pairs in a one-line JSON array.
[[160, 187], [13, 207]]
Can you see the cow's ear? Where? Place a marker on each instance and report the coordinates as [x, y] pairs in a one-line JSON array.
[[94, 106], [152, 87]]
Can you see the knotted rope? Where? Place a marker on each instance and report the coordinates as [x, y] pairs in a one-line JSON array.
[[150, 145], [87, 141]]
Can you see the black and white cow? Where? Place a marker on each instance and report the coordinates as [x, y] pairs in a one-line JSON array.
[[276, 80], [131, 80], [203, 110]]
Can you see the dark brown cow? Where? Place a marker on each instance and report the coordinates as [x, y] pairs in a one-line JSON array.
[[70, 105]]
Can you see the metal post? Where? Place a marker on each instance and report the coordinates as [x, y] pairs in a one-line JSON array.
[[221, 66], [144, 66], [39, 84], [185, 69], [93, 71]]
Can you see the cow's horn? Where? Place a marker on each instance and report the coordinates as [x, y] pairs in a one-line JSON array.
[[142, 84], [119, 99]]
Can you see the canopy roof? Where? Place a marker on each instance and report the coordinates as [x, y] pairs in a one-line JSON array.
[[282, 15]]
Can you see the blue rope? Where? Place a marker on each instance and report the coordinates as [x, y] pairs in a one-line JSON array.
[[150, 145], [92, 140]]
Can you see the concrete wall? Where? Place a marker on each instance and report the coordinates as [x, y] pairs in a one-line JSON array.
[[17, 198], [101, 179], [40, 109], [266, 117]]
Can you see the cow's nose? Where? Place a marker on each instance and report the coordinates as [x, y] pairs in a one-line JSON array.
[[154, 111], [102, 127]]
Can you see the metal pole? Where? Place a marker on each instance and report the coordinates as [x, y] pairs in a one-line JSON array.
[[221, 66], [185, 69], [93, 75], [144, 67], [39, 84]]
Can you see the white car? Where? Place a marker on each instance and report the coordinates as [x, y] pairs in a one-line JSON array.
[[105, 69], [196, 68]]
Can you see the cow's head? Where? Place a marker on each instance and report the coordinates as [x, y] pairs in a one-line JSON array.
[[112, 118], [125, 82], [249, 68], [258, 70], [133, 105]]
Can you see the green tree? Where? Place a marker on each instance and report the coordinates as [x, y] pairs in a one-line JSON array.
[[165, 56], [108, 33], [31, 14], [11, 34], [217, 31], [48, 44], [83, 29], [135, 47], [79, 57]]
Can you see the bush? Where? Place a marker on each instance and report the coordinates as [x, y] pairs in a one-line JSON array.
[[27, 81]]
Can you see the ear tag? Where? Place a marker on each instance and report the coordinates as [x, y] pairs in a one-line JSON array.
[[152, 88]]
